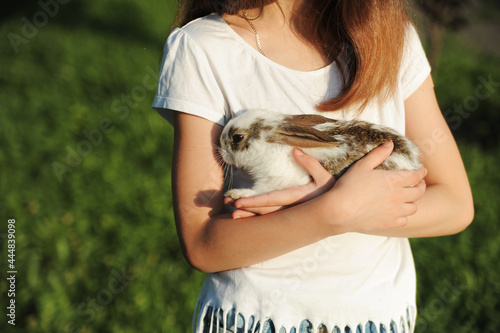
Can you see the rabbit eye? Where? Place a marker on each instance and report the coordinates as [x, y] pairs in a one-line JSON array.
[[237, 138]]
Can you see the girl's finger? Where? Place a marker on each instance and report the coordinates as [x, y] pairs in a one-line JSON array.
[[409, 178], [240, 213], [229, 201], [419, 175], [409, 209], [414, 193], [312, 167], [272, 199], [377, 156]]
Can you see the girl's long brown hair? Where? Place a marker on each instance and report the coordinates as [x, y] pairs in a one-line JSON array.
[[365, 37]]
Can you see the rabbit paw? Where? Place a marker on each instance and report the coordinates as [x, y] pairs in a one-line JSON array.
[[239, 193]]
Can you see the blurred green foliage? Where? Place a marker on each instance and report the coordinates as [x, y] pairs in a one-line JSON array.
[[86, 174]]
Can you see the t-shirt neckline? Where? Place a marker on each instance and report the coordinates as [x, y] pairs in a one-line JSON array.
[[261, 57]]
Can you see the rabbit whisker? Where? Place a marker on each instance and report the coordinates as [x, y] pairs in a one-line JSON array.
[[226, 168]]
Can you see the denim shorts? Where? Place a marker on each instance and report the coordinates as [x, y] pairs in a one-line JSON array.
[[213, 322]]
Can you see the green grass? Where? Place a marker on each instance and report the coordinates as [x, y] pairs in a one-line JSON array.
[[109, 212]]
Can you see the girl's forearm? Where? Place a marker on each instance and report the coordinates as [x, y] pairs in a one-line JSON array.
[[225, 243]]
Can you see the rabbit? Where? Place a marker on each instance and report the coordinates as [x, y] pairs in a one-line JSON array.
[[261, 143]]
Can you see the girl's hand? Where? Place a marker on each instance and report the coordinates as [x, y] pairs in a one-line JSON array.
[[368, 200], [322, 181]]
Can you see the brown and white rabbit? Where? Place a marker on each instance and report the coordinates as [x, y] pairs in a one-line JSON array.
[[261, 143]]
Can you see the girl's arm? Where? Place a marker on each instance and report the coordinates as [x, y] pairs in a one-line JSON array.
[[446, 208], [213, 241]]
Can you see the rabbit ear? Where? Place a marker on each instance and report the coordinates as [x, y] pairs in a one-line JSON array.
[[298, 131], [308, 119]]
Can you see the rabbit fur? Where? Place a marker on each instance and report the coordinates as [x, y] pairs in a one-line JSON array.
[[261, 143]]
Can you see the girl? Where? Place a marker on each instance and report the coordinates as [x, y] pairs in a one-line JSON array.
[[330, 256]]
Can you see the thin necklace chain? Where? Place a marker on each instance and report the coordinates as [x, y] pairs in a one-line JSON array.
[[257, 38]]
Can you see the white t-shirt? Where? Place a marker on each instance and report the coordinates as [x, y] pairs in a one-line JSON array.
[[346, 280]]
